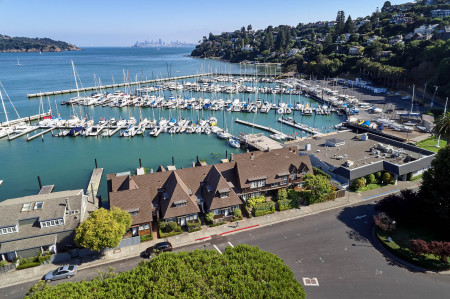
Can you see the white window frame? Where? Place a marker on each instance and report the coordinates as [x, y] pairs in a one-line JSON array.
[[35, 207], [26, 207], [294, 176], [261, 183], [284, 180]]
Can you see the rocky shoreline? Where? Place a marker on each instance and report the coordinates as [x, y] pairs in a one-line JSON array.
[[44, 49]]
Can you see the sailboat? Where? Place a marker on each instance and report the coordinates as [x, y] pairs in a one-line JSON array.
[[18, 62]]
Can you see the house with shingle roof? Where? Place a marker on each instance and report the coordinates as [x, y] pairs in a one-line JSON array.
[[42, 222], [181, 195]]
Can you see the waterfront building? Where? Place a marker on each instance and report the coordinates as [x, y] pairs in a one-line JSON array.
[[37, 223], [182, 195]]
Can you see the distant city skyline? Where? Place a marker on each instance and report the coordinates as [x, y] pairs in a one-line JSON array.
[[116, 23]]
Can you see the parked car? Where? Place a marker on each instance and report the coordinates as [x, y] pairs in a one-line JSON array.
[[66, 271], [157, 248]]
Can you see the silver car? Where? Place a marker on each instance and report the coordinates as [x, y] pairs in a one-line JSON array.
[[66, 271]]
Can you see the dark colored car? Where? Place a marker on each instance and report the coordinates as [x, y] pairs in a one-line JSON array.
[[66, 271], [157, 248]]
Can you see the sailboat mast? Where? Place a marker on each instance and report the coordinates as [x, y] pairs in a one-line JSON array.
[[4, 109], [75, 77]]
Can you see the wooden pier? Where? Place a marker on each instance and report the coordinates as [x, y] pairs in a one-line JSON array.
[[46, 189], [94, 184], [300, 126], [259, 141], [25, 119], [92, 88]]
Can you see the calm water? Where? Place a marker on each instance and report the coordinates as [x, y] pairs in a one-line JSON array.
[[67, 162]]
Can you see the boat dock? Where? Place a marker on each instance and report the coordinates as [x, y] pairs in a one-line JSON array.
[[46, 189], [94, 184], [259, 141], [117, 130], [41, 133], [253, 125], [23, 133], [67, 91], [300, 126], [25, 119]]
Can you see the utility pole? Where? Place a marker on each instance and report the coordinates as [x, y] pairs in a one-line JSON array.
[[445, 111]]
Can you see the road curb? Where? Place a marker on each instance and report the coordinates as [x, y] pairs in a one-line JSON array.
[[386, 252]]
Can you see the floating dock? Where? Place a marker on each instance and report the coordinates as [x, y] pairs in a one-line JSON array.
[[23, 133], [253, 125], [300, 126], [25, 119], [41, 133], [259, 141], [67, 91]]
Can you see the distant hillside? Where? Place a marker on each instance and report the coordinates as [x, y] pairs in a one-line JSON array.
[[406, 43], [26, 44]]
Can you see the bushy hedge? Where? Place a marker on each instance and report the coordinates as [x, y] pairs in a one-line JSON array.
[[28, 265], [252, 202], [145, 238], [194, 226], [287, 204], [317, 171], [170, 234], [240, 272], [264, 208], [169, 229]]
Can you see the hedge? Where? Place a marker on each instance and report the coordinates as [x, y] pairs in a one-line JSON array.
[[287, 204], [28, 265], [170, 234], [145, 238], [264, 208], [317, 171], [194, 226]]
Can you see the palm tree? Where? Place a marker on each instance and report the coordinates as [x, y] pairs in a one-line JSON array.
[[442, 127]]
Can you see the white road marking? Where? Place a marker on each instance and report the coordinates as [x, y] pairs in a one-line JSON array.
[[322, 260], [378, 271], [231, 244], [360, 217], [217, 249]]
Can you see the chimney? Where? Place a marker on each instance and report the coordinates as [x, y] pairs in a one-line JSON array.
[[67, 205], [251, 156]]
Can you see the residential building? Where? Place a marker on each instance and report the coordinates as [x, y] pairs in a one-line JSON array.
[[426, 29], [440, 13], [354, 50], [396, 40], [362, 23], [293, 51], [182, 195], [371, 39], [247, 48], [38, 223]]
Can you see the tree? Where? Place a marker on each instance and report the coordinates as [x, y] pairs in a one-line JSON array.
[[387, 178], [434, 191], [358, 184], [102, 275], [340, 22], [282, 194], [240, 272], [318, 184], [442, 127], [349, 26], [209, 217], [249, 27], [237, 212], [386, 6], [103, 228], [370, 179], [384, 222]]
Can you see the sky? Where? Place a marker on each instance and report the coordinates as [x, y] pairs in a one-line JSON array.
[[121, 23]]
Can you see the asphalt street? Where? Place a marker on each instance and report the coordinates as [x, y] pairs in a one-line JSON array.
[[335, 247]]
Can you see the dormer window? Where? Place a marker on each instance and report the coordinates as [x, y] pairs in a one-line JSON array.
[[224, 194], [294, 176], [38, 205], [180, 203], [258, 184], [26, 207], [284, 180]]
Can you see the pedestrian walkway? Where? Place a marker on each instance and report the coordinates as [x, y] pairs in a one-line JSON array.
[[184, 239]]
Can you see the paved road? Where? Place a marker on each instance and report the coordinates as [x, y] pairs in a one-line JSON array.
[[334, 247]]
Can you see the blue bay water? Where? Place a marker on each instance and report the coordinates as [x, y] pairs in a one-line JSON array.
[[67, 162]]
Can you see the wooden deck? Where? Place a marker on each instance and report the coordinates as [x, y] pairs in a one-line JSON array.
[[46, 189], [92, 188]]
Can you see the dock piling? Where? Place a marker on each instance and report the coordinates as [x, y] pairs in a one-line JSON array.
[[39, 181], [173, 161], [95, 163], [140, 163]]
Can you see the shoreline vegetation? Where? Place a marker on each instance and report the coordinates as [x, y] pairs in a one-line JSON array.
[[10, 44]]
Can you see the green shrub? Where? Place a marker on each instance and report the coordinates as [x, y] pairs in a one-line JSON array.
[[216, 224], [256, 200], [3, 263], [370, 179], [145, 238], [209, 217], [170, 234], [172, 225], [28, 265], [317, 171], [282, 194], [249, 211], [237, 213], [358, 184], [293, 195], [264, 208], [378, 176], [162, 225], [387, 178], [287, 204], [194, 226], [192, 229]]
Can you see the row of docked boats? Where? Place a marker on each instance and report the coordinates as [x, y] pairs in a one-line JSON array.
[[119, 99]]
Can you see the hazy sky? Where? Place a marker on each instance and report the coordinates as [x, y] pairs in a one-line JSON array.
[[121, 23]]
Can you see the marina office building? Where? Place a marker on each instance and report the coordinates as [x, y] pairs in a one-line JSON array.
[[37, 223], [182, 195], [347, 156]]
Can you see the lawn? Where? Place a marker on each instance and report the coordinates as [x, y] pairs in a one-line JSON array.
[[371, 187], [430, 144], [400, 247]]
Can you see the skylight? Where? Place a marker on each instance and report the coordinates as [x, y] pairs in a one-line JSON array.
[[26, 207], [38, 205]]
